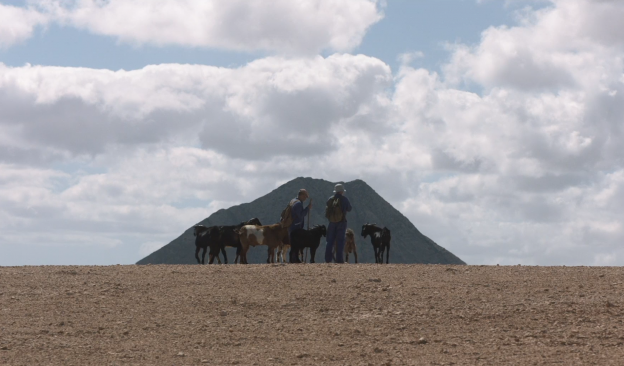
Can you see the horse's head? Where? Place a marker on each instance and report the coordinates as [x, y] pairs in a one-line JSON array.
[[366, 229], [322, 229], [254, 221], [197, 229]]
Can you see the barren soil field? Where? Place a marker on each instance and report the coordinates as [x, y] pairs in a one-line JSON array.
[[313, 314]]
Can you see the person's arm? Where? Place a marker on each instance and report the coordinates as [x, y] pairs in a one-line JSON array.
[[346, 204]]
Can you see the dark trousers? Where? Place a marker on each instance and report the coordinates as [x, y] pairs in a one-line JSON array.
[[294, 254], [336, 231]]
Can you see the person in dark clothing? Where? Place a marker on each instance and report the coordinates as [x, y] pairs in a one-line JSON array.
[[337, 227], [298, 215]]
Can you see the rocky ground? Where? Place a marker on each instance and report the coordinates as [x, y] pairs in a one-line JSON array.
[[311, 315]]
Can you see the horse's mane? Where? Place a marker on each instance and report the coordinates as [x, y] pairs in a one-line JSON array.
[[373, 227]]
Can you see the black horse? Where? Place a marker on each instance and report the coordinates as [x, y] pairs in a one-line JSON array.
[[206, 237], [380, 238], [228, 237], [217, 238], [302, 238]]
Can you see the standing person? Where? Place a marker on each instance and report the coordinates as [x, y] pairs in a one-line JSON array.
[[298, 214], [336, 212]]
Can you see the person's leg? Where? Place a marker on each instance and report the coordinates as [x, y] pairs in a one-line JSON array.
[[294, 251], [340, 232], [329, 245]]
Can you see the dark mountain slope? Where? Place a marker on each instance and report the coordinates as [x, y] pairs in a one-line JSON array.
[[408, 244]]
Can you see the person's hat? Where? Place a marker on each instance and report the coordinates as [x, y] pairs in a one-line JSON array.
[[339, 188], [303, 191]]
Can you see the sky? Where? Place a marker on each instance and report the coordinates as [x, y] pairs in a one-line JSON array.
[[496, 127]]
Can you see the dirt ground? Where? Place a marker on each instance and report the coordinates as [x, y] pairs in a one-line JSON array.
[[313, 314]]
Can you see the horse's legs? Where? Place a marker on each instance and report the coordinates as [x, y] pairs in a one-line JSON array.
[[346, 257], [375, 250], [312, 254], [388, 254], [204, 255], [238, 253], [213, 254], [355, 254], [243, 254], [197, 254], [224, 255]]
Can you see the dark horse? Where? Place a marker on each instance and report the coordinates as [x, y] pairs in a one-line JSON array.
[[217, 238], [228, 237], [206, 237], [302, 238], [380, 238]]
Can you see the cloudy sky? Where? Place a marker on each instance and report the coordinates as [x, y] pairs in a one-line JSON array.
[[496, 127]]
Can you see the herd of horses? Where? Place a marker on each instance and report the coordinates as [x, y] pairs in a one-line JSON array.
[[252, 233]]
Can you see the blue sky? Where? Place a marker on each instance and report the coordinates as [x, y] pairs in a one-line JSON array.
[[494, 126]]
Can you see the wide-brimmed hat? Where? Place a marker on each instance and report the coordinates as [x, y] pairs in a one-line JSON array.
[[339, 188]]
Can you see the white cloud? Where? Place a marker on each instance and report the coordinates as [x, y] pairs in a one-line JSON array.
[[299, 27], [527, 170], [567, 44], [256, 111], [17, 24], [137, 132]]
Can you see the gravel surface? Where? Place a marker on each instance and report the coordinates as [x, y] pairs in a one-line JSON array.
[[311, 315]]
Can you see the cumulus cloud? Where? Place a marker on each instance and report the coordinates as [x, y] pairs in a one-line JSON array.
[[516, 169], [121, 143], [294, 27], [523, 166], [18, 24], [560, 46], [256, 111]]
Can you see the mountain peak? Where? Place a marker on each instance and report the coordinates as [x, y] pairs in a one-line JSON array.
[[408, 245]]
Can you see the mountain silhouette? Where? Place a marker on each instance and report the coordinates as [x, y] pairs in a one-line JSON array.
[[408, 244]]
